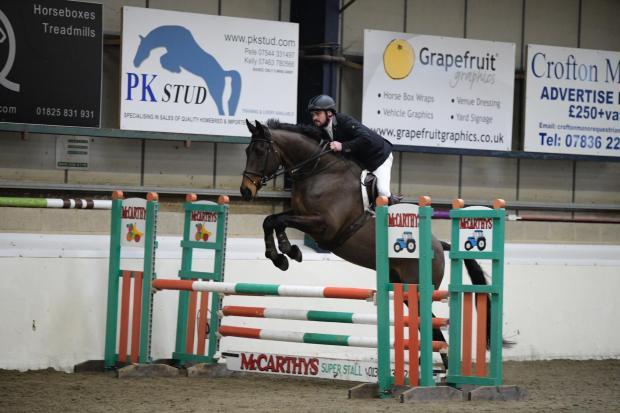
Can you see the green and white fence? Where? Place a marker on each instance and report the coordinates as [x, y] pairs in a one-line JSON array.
[[205, 228]]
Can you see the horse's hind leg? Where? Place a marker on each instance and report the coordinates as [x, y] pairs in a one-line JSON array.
[[438, 336], [279, 260]]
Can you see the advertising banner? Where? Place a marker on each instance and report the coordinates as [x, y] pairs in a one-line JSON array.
[[195, 73], [403, 231], [438, 91], [572, 101], [133, 222], [304, 366], [203, 224], [476, 233], [50, 62]]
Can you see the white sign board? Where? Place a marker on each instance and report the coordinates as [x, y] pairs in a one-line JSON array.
[[195, 73], [72, 152], [403, 231], [438, 91], [306, 366], [133, 222], [476, 233], [203, 224], [572, 101]]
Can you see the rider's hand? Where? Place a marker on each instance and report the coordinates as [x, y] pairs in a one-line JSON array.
[[335, 146]]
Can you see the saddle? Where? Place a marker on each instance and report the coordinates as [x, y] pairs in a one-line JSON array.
[[370, 192]]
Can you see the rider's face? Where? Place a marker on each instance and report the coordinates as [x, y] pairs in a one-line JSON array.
[[320, 118]]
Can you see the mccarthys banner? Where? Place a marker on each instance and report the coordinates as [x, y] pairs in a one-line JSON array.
[[202, 74], [438, 91]]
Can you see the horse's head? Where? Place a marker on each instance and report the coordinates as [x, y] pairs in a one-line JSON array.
[[262, 160], [144, 50]]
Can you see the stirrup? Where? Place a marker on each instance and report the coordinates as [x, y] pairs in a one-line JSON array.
[[394, 199]]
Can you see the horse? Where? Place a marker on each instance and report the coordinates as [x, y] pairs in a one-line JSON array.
[[326, 203], [183, 52]]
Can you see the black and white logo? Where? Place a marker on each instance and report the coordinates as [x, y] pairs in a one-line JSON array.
[[7, 35]]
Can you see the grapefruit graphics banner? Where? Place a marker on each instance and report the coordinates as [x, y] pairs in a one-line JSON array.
[[194, 73], [438, 91], [50, 62], [572, 101]]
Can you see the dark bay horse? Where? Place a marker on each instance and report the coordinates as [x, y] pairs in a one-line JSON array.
[[326, 204]]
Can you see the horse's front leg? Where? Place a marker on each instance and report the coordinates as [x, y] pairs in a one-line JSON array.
[[279, 223], [279, 260], [289, 219]]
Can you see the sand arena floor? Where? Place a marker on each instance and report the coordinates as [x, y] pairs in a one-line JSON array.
[[553, 386]]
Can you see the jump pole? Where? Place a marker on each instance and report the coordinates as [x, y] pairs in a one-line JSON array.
[[315, 315], [65, 203], [313, 338]]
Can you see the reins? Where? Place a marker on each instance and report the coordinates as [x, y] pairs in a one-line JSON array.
[[281, 170]]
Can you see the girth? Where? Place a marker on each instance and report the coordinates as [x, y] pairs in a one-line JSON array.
[[344, 234]]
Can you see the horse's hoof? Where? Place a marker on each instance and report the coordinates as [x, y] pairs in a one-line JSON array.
[[295, 253], [281, 262], [271, 255]]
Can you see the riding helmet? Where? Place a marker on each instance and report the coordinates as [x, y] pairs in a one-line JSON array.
[[322, 102]]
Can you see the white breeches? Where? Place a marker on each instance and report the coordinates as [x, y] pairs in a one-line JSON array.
[[383, 174]]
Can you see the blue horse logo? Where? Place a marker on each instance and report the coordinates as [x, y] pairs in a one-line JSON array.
[[183, 52]]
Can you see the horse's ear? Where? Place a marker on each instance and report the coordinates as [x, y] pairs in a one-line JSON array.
[[262, 128], [251, 127], [141, 37]]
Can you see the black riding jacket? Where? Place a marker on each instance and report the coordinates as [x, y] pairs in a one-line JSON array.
[[365, 146]]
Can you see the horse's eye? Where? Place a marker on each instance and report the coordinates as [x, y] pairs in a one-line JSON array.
[[260, 148]]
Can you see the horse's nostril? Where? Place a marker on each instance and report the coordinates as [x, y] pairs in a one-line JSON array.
[[246, 194]]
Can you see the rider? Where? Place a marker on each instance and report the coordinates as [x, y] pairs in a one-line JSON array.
[[347, 134]]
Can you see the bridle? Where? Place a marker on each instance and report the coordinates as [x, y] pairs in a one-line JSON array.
[[260, 178]]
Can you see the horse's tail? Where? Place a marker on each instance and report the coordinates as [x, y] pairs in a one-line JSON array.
[[235, 83], [478, 277]]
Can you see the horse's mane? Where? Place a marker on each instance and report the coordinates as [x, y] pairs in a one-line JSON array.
[[310, 131]]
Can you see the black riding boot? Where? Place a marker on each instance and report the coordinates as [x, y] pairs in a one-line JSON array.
[[394, 199]]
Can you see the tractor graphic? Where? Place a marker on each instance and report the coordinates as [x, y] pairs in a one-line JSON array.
[[133, 233], [202, 233], [476, 240], [406, 241]]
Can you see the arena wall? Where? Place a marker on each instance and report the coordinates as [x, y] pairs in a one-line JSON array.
[[559, 299]]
